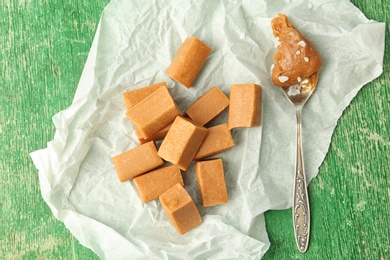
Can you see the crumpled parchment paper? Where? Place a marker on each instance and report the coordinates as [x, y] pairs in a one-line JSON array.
[[133, 46]]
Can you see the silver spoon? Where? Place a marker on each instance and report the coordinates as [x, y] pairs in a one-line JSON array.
[[298, 95]]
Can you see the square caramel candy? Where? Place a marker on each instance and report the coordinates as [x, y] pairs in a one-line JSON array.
[[188, 61], [133, 97], [137, 161], [245, 106], [181, 142], [208, 106], [152, 184], [211, 182], [180, 209], [218, 139], [154, 112]]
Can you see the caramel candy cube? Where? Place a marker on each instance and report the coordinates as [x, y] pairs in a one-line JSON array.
[[154, 112], [181, 142], [155, 137], [137, 161], [188, 61], [245, 105], [180, 209], [152, 184], [211, 182], [208, 106], [218, 139], [133, 97]]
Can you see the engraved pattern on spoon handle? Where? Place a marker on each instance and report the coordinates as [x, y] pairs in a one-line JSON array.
[[301, 210]]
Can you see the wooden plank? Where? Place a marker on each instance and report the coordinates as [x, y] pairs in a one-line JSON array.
[[44, 47]]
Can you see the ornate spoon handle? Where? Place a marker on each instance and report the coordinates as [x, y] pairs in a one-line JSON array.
[[301, 209]]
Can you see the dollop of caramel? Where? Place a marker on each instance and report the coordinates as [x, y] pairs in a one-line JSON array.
[[296, 58]]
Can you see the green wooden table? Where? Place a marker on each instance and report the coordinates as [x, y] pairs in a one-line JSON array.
[[44, 45]]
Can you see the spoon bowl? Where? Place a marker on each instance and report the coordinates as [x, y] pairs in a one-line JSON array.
[[298, 95]]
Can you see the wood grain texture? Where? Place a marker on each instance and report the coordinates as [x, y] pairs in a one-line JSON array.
[[44, 45]]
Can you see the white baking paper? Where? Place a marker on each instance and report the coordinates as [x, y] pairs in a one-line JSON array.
[[133, 46]]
